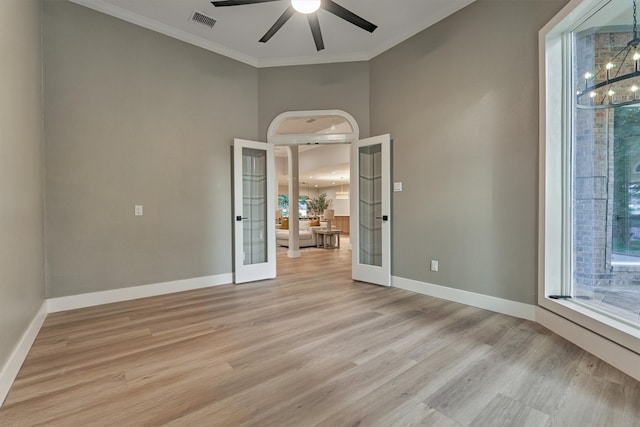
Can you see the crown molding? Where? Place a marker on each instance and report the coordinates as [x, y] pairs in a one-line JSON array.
[[153, 25], [167, 30], [159, 27]]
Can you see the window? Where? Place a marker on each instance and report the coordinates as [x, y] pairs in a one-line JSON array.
[[626, 187], [283, 205], [590, 146], [604, 148], [302, 207]]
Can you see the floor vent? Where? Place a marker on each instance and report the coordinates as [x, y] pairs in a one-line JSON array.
[[203, 19]]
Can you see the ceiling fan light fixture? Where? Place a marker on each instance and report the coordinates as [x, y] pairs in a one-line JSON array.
[[306, 6]]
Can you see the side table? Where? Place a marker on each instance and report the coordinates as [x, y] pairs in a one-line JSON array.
[[322, 235]]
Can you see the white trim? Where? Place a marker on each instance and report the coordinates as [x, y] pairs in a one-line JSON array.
[[153, 25], [619, 357], [486, 302], [254, 270], [626, 334], [72, 302], [361, 271], [12, 366], [167, 30], [290, 61]]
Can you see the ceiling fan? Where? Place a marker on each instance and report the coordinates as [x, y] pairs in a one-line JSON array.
[[308, 7]]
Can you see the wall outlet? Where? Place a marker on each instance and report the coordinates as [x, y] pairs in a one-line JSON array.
[[138, 210], [434, 265]]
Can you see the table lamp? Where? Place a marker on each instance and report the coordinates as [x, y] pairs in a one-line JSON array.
[[329, 214]]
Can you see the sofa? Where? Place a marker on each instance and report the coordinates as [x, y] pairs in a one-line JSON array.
[[307, 237]]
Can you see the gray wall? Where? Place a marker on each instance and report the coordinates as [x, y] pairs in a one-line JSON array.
[[21, 198], [342, 86], [135, 117], [460, 101]]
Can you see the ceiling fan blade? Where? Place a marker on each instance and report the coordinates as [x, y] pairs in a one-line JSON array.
[[238, 2], [315, 30], [279, 23], [347, 15]]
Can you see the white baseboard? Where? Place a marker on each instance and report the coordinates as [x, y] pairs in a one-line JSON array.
[[615, 355], [619, 357], [72, 302], [11, 368], [499, 305]]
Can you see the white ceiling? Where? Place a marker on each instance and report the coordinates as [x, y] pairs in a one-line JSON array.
[[320, 166], [238, 28], [329, 176]]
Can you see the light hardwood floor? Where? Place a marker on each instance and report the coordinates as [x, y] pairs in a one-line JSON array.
[[310, 348]]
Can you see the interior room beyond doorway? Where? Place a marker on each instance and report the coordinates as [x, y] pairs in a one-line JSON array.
[[312, 166], [323, 175]]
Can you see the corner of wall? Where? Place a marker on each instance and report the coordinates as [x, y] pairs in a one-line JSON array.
[[10, 370]]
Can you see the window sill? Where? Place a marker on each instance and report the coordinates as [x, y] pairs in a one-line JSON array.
[[624, 267], [620, 332]]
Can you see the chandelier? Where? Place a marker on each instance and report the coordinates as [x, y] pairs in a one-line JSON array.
[[610, 86]]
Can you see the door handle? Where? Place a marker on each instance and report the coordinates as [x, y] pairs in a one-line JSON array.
[[383, 217], [240, 218]]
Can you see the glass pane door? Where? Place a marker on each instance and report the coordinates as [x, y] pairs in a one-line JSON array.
[[254, 211], [370, 210]]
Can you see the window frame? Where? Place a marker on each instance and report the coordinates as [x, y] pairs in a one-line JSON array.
[[302, 201], [555, 233]]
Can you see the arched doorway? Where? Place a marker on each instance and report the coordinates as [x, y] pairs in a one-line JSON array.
[[295, 133], [370, 176], [369, 203]]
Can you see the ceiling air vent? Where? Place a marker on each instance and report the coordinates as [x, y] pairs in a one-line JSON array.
[[203, 19]]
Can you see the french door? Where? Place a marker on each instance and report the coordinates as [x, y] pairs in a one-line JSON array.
[[370, 210], [254, 211]]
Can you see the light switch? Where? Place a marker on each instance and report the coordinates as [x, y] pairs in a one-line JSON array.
[[397, 186], [138, 210]]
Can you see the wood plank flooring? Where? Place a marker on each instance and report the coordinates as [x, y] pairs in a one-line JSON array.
[[310, 348]]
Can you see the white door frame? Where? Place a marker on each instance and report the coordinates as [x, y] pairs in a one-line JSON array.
[[377, 276], [376, 269], [260, 270]]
